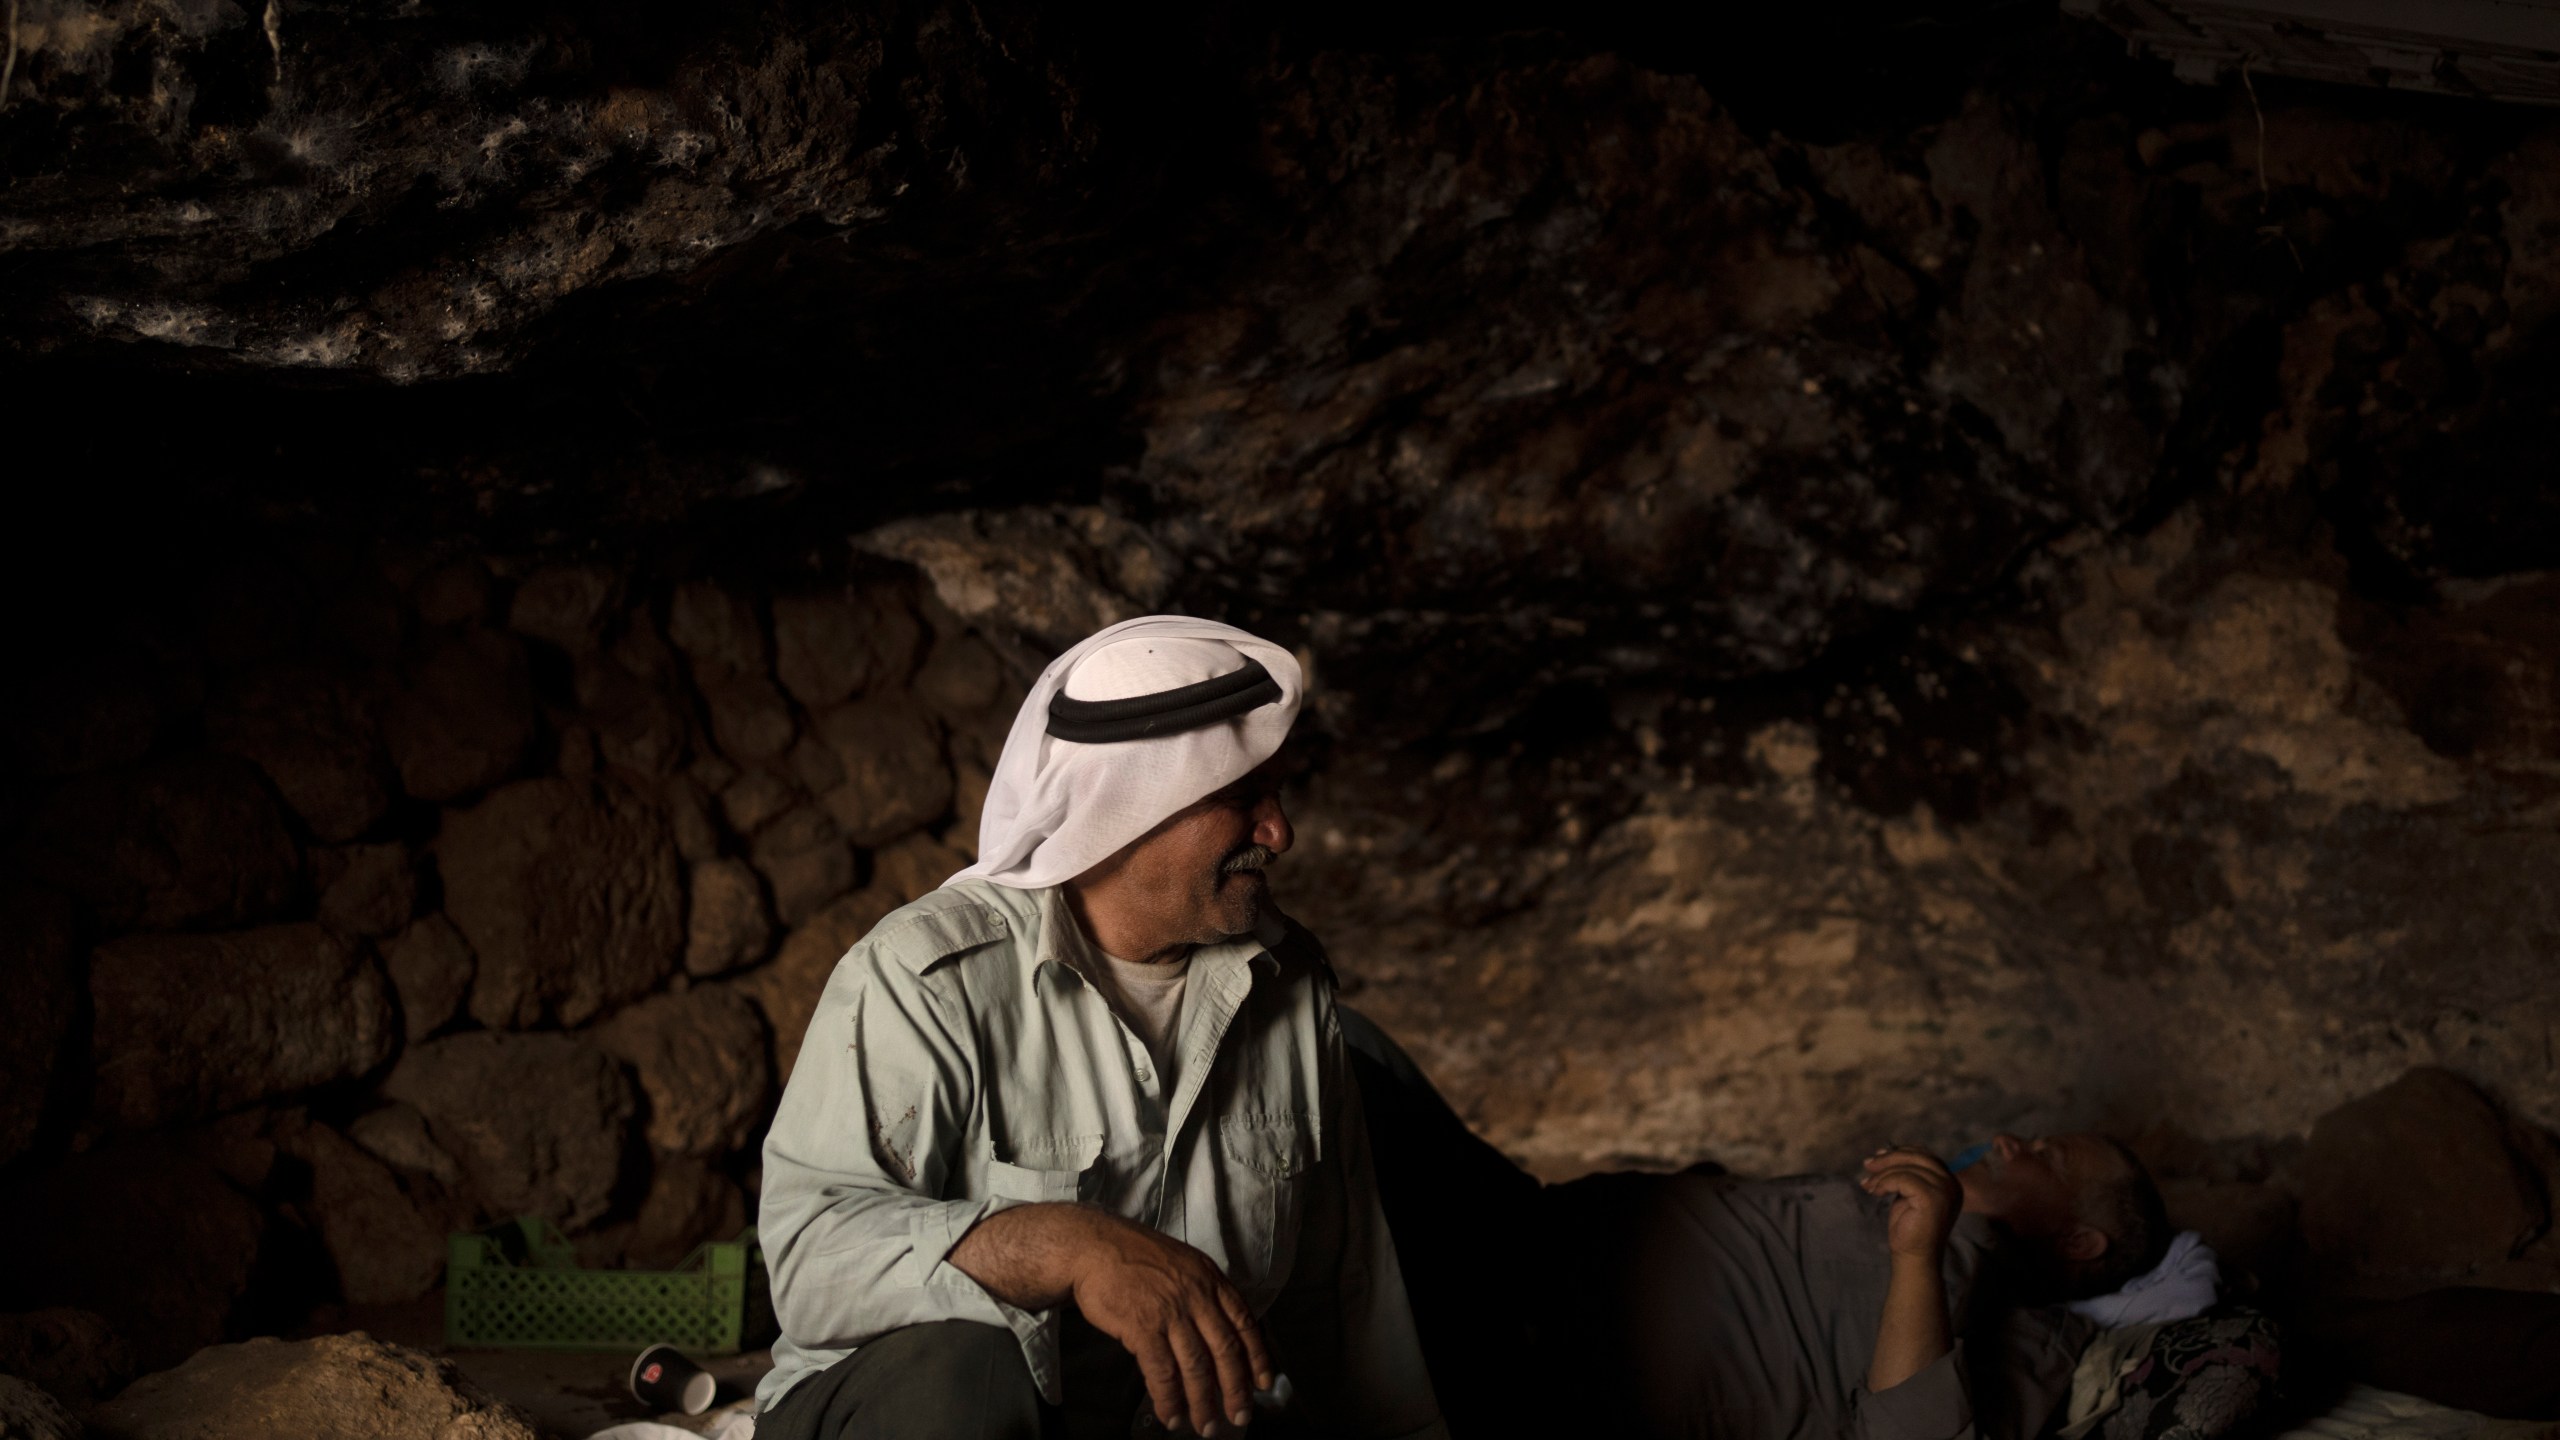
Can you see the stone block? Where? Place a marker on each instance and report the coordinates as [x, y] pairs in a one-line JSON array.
[[333, 1387], [570, 895], [190, 841], [753, 800], [538, 1124], [726, 924], [430, 966], [639, 727], [396, 1135], [314, 734], [368, 890], [962, 678], [2420, 1177], [386, 1243], [750, 721], [462, 716], [701, 1059], [895, 777], [565, 605], [913, 866], [717, 630], [690, 1201], [192, 1025], [689, 819], [832, 647]]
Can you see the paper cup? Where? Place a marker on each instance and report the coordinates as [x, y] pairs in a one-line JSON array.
[[663, 1379]]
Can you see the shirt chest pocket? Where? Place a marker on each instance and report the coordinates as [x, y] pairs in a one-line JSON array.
[[1055, 1171], [1267, 1162]]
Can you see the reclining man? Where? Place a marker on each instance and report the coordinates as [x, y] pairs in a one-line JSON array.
[[1074, 1134], [1906, 1303]]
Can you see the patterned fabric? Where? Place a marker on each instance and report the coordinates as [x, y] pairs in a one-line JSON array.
[[2219, 1374]]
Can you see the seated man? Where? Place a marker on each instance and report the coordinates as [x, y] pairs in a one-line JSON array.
[[1903, 1302], [1072, 1143]]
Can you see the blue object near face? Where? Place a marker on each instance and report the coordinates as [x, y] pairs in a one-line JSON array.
[[1969, 1156]]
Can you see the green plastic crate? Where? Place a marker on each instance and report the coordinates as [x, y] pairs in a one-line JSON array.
[[518, 1286]]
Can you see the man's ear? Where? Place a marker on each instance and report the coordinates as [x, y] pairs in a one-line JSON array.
[[2083, 1243]]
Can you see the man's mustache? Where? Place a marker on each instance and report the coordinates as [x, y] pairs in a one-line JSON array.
[[1251, 857]]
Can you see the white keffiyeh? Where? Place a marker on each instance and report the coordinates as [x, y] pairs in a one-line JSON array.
[[1056, 808]]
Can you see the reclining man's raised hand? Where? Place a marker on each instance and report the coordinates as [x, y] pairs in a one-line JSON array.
[[1195, 1339], [1914, 1330]]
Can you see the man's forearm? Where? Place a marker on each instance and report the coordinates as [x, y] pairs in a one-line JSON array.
[[1024, 1256], [1913, 1332]]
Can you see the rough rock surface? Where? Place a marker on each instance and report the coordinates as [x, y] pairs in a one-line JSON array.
[[369, 890], [195, 841], [726, 922], [539, 1124], [74, 1355], [895, 777], [335, 1387], [462, 717], [702, 1060], [143, 1233], [27, 1412], [570, 896], [39, 951], [386, 1243], [430, 966], [2420, 1177], [189, 1025], [801, 855], [689, 1202]]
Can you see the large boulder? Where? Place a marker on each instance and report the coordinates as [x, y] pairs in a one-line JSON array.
[[334, 1387], [539, 1124], [143, 1232], [690, 1201], [386, 1242], [190, 841], [74, 1355], [462, 716], [787, 989], [702, 1063], [2419, 1178], [430, 966], [895, 777], [727, 924], [39, 950], [190, 1025], [570, 895], [315, 736], [913, 866], [639, 727]]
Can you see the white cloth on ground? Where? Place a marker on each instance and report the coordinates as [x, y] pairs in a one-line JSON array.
[[1056, 808], [2184, 1284]]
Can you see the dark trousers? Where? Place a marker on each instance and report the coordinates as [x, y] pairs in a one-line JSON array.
[[957, 1380]]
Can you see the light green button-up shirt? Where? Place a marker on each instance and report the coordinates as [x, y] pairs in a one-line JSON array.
[[959, 1063]]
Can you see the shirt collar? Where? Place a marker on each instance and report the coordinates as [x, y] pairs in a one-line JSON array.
[[1062, 942]]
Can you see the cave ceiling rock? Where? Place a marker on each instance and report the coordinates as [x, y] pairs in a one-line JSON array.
[[1569, 335], [430, 185], [1041, 577]]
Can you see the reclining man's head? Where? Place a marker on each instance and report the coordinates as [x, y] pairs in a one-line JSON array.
[[2082, 1203]]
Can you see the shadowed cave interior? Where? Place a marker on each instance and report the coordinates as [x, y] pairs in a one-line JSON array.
[[1884, 572]]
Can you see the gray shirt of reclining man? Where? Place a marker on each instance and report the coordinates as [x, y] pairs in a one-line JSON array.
[[1747, 1310], [961, 1062]]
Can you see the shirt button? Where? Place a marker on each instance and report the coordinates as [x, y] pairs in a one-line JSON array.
[[1144, 1078]]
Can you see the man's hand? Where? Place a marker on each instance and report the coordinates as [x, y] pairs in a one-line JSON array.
[[1195, 1340], [1912, 1332], [1926, 1200]]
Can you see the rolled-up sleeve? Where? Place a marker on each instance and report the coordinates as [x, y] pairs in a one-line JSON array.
[[869, 1138], [1342, 1326], [1932, 1405]]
